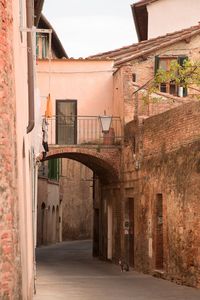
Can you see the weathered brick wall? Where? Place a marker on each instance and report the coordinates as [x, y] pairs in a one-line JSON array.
[[111, 195], [170, 130], [166, 162], [10, 278], [76, 185]]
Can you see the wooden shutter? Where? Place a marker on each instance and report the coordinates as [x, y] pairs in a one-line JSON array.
[[53, 169], [181, 59], [156, 67]]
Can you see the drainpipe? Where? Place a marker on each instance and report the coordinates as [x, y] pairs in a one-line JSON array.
[[31, 112]]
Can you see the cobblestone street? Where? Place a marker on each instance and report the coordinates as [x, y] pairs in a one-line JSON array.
[[68, 271]]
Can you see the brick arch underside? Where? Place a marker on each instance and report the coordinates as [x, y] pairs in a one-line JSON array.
[[103, 169]]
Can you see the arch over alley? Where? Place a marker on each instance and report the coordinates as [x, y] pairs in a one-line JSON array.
[[103, 161]]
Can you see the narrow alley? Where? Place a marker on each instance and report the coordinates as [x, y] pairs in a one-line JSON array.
[[68, 271]]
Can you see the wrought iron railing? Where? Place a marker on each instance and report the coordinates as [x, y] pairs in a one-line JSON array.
[[82, 130]]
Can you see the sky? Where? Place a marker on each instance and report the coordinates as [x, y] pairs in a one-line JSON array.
[[87, 27]]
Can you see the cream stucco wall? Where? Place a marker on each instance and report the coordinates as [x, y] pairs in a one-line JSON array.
[[167, 16], [49, 216], [27, 148], [23, 148]]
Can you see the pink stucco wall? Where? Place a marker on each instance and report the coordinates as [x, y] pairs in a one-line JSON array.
[[88, 82], [24, 184], [166, 16], [25, 145]]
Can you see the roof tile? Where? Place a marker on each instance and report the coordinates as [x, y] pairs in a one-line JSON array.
[[125, 54]]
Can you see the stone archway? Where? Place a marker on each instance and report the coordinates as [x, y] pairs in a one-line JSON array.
[[105, 163]]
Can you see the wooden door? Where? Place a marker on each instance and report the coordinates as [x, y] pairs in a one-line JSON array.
[[159, 232]]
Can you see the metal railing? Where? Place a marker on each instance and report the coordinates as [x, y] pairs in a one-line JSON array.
[[82, 130]]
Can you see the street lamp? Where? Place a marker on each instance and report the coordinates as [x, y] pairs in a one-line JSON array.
[[105, 123]]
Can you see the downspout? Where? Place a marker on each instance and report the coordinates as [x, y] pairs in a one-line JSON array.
[[31, 112]]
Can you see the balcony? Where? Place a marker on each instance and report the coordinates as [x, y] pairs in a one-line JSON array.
[[83, 130]]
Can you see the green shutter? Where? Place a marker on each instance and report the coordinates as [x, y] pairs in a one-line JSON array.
[[53, 169], [157, 60], [185, 92], [37, 45], [181, 59], [44, 46]]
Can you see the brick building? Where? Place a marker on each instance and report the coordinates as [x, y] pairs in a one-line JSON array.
[[156, 216], [162, 180]]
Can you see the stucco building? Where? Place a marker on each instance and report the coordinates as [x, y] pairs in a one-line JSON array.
[[20, 145], [80, 90], [155, 18]]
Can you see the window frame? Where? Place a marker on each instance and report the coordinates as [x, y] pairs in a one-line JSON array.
[[168, 85]]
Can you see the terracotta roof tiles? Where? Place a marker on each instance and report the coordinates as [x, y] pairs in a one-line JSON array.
[[144, 48]]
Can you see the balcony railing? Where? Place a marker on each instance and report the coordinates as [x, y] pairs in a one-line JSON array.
[[82, 130]]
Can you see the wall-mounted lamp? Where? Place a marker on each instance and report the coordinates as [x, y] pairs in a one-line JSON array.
[[105, 123]]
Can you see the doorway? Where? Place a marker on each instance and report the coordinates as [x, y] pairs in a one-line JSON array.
[[129, 231], [66, 122], [159, 232], [109, 230], [96, 233]]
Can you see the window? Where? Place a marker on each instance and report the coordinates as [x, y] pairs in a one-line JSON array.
[[134, 77], [171, 87], [43, 169], [42, 45]]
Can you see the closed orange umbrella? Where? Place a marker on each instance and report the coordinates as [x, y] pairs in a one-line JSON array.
[[48, 112]]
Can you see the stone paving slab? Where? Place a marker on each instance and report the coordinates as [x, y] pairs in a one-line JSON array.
[[68, 271]]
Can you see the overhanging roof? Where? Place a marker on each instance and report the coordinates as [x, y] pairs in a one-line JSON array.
[[140, 15], [145, 48], [56, 43], [38, 5]]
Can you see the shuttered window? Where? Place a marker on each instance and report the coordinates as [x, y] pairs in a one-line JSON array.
[[164, 63], [53, 169], [42, 46]]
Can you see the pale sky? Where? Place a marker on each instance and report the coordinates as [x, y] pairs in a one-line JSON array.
[[87, 27]]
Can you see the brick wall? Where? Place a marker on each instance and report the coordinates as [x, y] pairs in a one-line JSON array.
[[76, 185], [166, 162], [10, 278], [171, 130]]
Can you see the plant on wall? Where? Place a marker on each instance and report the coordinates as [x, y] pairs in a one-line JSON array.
[[182, 76]]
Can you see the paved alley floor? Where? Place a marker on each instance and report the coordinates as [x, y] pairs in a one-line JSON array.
[[67, 271]]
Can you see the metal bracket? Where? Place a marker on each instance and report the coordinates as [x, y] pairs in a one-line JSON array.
[[34, 29]]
